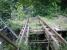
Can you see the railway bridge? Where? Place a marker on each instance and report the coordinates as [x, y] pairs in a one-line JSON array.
[[34, 33]]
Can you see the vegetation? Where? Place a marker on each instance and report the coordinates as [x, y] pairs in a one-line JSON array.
[[12, 12], [20, 8]]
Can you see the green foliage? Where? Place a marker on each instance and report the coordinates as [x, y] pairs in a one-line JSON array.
[[16, 10], [42, 7], [24, 47], [45, 7], [6, 8], [7, 46], [64, 47]]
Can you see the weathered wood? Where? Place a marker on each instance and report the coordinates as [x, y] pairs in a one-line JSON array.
[[27, 35], [5, 26], [36, 31], [12, 32], [39, 30], [38, 42], [8, 40], [53, 31], [24, 33], [21, 35], [62, 31]]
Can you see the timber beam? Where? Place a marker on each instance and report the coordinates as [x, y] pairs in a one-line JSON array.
[[7, 39]]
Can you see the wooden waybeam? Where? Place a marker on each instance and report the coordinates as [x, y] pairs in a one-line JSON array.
[[41, 30], [53, 31], [23, 33], [38, 42], [62, 31], [12, 32], [5, 26], [7, 39], [36, 31]]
